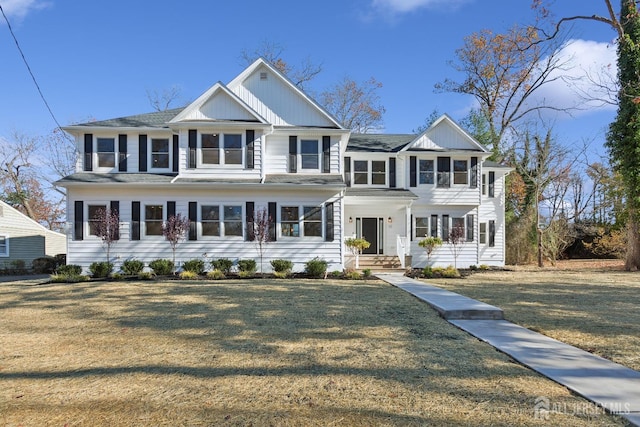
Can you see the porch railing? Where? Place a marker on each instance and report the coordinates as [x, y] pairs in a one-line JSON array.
[[401, 248]]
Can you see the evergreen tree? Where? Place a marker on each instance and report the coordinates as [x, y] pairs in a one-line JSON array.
[[623, 138]]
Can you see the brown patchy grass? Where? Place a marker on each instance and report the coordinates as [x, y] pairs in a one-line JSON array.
[[262, 352], [593, 305]]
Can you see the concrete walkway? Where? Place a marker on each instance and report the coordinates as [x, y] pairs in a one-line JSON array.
[[614, 387]]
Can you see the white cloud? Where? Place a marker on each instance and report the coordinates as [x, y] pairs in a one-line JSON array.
[[407, 6], [20, 8], [590, 69]]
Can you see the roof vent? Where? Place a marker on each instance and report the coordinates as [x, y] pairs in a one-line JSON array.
[[263, 75]]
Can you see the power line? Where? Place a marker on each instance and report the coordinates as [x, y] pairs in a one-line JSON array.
[[24, 59]]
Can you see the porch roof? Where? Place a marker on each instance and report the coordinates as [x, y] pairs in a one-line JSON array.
[[395, 193]]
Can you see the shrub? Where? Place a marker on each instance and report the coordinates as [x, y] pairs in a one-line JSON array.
[[316, 267], [352, 275], [222, 264], [194, 266], [282, 265], [161, 267], [44, 265], [132, 267], [473, 267], [336, 273], [484, 267], [101, 269], [61, 259], [18, 266], [245, 274], [427, 272], [69, 270], [450, 272], [215, 275], [366, 272], [117, 276], [188, 275], [145, 275], [281, 274], [247, 266], [68, 278]]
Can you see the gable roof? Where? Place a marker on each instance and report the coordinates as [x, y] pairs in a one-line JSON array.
[[445, 134], [387, 143], [5, 207], [218, 104], [157, 119], [244, 85]]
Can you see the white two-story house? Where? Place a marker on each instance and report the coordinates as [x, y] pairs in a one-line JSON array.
[[260, 143]]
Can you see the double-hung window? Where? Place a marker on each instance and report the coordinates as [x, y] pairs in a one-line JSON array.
[[4, 246], [232, 149], [309, 224], [378, 172], [457, 228], [96, 214], [422, 227], [460, 172], [426, 172], [160, 153], [221, 220], [309, 155], [210, 220], [444, 172], [361, 172], [153, 217], [483, 233], [221, 149], [232, 220], [210, 149], [290, 221], [106, 152], [312, 221]]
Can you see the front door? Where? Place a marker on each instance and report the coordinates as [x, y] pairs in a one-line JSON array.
[[370, 234]]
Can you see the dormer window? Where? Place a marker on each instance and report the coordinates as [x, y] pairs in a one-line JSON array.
[[221, 149]]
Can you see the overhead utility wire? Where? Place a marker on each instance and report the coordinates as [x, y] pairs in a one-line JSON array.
[[29, 69]]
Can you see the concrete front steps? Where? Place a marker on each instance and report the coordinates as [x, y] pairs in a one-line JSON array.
[[377, 263]]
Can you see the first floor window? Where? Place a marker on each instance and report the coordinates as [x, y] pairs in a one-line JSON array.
[[460, 173], [289, 221], [309, 154], [233, 220], [106, 153], [96, 214], [422, 227], [159, 153], [378, 172], [312, 221], [4, 246], [210, 219], [217, 220], [483, 233], [426, 172], [361, 172], [153, 217], [458, 228]]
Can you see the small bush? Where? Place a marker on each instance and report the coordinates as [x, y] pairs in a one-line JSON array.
[[366, 272], [188, 275], [117, 276], [100, 269], [282, 265], [215, 275], [222, 264], [68, 278], [194, 266], [69, 270], [450, 272], [132, 267], [161, 267], [336, 273], [281, 274], [246, 274], [247, 266], [44, 265], [316, 267], [484, 267], [352, 275], [145, 275], [473, 267], [427, 272]]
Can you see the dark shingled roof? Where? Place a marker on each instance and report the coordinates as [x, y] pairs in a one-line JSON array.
[[380, 192], [157, 119], [491, 164], [324, 179], [388, 143], [117, 178], [210, 180]]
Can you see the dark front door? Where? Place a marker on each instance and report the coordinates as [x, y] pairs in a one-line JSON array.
[[370, 234]]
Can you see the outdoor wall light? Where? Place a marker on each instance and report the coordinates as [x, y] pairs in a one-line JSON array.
[[389, 220], [350, 220]]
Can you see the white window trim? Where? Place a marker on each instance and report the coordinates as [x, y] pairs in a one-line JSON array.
[[370, 173], [7, 250], [96, 157], [319, 153], [150, 153], [143, 220], [243, 138], [87, 229], [433, 172], [301, 221], [453, 172], [221, 206]]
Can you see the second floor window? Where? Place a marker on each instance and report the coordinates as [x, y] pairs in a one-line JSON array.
[[426, 172], [221, 149], [361, 172], [378, 172], [309, 154], [160, 153], [106, 152], [460, 174]]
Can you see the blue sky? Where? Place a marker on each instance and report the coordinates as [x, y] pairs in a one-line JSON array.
[[98, 59]]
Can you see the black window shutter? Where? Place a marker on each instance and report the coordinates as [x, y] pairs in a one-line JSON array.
[[122, 153], [492, 184], [411, 227], [492, 233], [272, 226], [470, 226], [329, 225], [249, 218], [293, 154], [193, 144], [142, 153], [326, 154], [347, 171], [176, 152], [474, 172], [392, 172], [193, 220], [413, 176], [135, 220], [88, 152], [250, 153], [78, 220], [114, 207], [171, 209]]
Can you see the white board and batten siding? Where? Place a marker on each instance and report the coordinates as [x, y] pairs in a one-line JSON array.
[[148, 248]]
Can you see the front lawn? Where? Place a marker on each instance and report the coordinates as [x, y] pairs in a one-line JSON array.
[[261, 352]]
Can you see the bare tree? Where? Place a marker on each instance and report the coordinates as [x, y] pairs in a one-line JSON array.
[[106, 226], [262, 224], [356, 106], [456, 242], [163, 100], [175, 230]]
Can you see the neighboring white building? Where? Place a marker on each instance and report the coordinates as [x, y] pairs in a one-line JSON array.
[[259, 143], [22, 238]]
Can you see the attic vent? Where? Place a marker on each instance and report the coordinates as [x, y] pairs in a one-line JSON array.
[[263, 75]]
